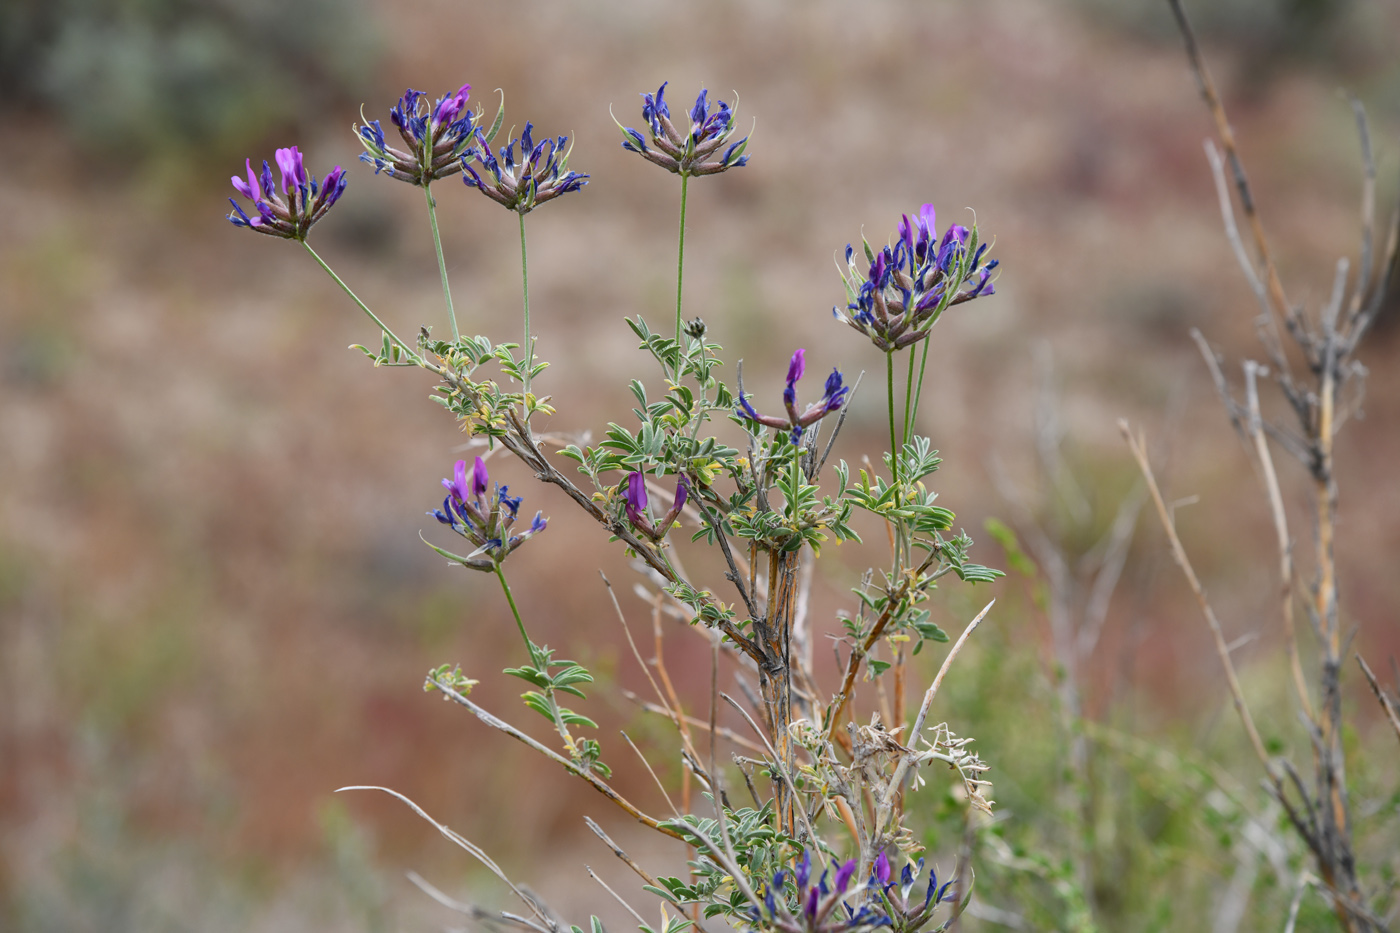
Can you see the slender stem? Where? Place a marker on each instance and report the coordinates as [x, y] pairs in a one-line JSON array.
[[908, 403], [528, 348], [515, 611], [680, 277], [919, 392], [363, 307], [889, 394], [541, 661], [442, 265]]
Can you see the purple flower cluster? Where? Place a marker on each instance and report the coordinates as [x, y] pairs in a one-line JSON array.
[[833, 397], [303, 201], [435, 137], [692, 153], [908, 285], [484, 521], [541, 175], [817, 903], [906, 911], [636, 495]]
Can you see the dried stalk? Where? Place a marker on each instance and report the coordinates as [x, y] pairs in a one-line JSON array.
[[1385, 701], [597, 783]]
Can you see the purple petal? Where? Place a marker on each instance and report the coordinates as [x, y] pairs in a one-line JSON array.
[[682, 493], [843, 876], [877, 270], [293, 172], [511, 503], [246, 188], [636, 492], [906, 232], [333, 186], [252, 177], [932, 886], [956, 233], [796, 367], [701, 108], [882, 869], [928, 218], [458, 485], [748, 408], [480, 478]]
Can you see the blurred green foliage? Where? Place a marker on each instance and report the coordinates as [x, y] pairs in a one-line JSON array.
[[139, 76], [1166, 828]]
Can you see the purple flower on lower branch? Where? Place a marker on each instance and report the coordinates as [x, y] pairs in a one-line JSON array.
[[813, 906], [833, 397], [901, 901], [484, 520], [541, 175], [907, 285], [880, 874], [300, 204], [694, 153], [434, 137], [635, 496]]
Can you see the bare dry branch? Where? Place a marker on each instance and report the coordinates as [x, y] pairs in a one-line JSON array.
[[882, 816], [1138, 446], [472, 849], [1285, 541], [1385, 701], [598, 783], [1279, 301]]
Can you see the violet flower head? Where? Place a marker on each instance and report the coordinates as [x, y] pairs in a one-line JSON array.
[[696, 152], [833, 397], [635, 505], [434, 137], [908, 910], [484, 520], [302, 201], [810, 906], [541, 175], [905, 287]]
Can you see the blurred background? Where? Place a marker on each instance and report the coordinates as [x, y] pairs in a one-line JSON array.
[[214, 606]]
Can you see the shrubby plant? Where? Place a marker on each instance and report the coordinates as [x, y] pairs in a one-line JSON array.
[[822, 842]]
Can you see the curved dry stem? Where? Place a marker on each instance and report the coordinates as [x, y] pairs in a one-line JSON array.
[[886, 806], [776, 763], [1385, 701], [598, 783], [1285, 541], [471, 848], [859, 653], [1274, 286], [1138, 446]]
